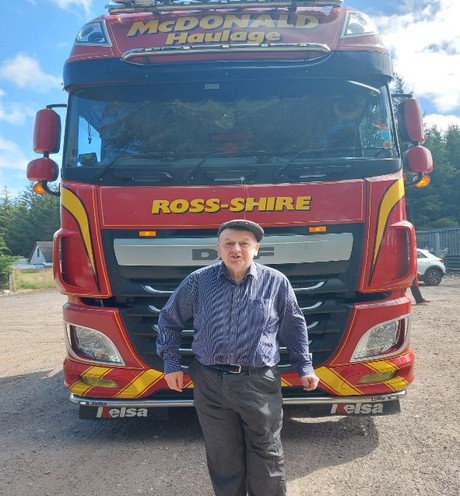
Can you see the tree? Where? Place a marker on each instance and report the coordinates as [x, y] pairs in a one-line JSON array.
[[27, 219], [6, 264]]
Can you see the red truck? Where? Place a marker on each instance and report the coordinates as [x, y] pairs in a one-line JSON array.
[[184, 114]]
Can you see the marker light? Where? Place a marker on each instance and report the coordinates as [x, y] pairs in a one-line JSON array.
[[91, 345], [317, 229], [147, 234]]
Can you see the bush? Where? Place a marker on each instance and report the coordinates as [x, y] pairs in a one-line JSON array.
[[6, 264]]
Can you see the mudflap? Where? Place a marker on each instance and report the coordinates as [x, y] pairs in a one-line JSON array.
[[357, 408], [89, 412]]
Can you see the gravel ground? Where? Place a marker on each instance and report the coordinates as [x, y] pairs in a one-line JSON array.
[[47, 450]]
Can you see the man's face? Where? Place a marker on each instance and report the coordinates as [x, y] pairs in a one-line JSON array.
[[237, 249]]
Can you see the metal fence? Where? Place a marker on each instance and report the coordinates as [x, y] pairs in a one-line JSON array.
[[444, 243]]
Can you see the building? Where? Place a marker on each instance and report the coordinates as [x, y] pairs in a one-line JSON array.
[[42, 254]]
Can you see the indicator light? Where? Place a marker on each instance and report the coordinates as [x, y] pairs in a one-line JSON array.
[[317, 229], [424, 182], [39, 189]]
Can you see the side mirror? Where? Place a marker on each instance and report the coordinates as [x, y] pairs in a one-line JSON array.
[[42, 169], [47, 132], [418, 160], [410, 122]]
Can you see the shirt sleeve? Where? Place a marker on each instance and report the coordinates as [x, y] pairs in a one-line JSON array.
[[171, 322], [293, 334]]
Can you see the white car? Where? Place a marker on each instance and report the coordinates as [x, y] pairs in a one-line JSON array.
[[430, 268]]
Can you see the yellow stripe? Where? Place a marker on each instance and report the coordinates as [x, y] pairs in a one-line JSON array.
[[80, 388], [396, 383], [72, 203], [392, 196], [140, 384], [336, 382], [285, 383], [382, 366], [96, 371]]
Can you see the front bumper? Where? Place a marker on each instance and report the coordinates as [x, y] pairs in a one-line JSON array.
[[322, 406]]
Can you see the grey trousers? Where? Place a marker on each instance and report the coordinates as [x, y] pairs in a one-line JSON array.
[[241, 416]]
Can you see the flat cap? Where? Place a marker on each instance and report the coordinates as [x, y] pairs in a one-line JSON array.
[[243, 225]]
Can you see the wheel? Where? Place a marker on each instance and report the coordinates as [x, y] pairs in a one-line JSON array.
[[432, 277]]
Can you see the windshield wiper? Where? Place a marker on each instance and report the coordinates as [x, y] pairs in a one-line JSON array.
[[117, 161], [254, 155], [143, 175], [315, 170]]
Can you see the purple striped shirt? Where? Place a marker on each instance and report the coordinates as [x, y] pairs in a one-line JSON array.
[[239, 324]]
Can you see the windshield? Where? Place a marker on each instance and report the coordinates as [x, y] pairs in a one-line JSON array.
[[221, 131]]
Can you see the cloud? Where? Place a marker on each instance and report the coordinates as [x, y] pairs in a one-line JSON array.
[[12, 156], [425, 44], [24, 71], [67, 4], [442, 122], [13, 113]]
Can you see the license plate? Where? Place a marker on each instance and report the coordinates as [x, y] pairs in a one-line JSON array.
[[119, 412], [372, 408]]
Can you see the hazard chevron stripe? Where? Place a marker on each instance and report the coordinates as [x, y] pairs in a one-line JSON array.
[[336, 383]]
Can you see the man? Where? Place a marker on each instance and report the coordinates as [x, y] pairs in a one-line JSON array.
[[240, 310]]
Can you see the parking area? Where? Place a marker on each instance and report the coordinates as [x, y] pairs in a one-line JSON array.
[[47, 450]]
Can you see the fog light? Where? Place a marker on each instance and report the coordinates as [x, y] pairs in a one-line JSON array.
[[378, 377], [99, 382]]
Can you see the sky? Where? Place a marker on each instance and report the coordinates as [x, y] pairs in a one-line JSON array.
[[37, 35]]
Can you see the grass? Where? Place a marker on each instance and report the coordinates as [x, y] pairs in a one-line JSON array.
[[37, 279]]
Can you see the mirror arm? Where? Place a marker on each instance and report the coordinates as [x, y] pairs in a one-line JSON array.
[[49, 190]]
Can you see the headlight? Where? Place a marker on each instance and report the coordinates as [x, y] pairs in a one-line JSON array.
[[89, 344], [385, 339], [358, 24]]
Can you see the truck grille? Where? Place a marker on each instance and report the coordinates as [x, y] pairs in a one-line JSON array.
[[325, 292], [325, 316]]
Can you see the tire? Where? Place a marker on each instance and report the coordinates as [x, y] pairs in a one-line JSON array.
[[432, 277]]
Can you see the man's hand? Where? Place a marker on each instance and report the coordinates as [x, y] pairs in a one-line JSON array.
[[175, 380], [309, 382]]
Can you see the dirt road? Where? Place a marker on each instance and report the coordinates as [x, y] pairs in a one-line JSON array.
[[47, 451]]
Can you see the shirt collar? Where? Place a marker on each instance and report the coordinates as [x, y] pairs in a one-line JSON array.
[[251, 271]]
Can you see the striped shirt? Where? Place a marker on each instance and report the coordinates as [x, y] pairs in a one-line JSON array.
[[239, 324]]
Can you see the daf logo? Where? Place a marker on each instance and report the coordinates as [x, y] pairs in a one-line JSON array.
[[209, 254]]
